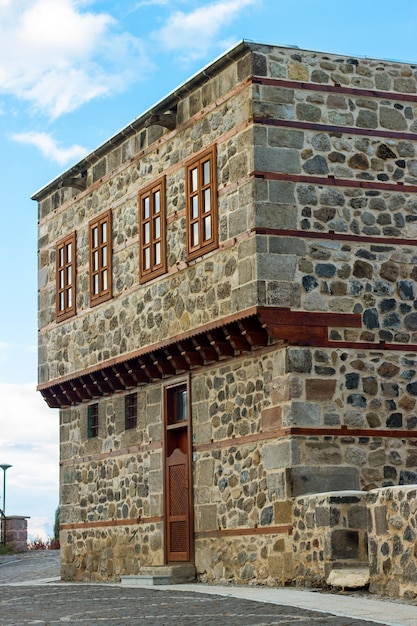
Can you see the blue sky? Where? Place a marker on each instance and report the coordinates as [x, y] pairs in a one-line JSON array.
[[72, 74]]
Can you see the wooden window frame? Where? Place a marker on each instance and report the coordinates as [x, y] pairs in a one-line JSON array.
[[131, 411], [92, 421], [66, 277], [149, 238], [100, 257], [197, 243]]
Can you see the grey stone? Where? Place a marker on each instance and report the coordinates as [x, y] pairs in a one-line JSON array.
[[283, 160], [313, 479], [305, 413], [299, 360], [316, 165], [392, 119]]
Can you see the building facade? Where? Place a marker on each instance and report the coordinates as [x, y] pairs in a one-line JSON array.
[[228, 314]]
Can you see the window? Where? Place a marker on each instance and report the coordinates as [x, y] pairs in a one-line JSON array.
[[65, 277], [92, 421], [100, 259], [131, 410], [201, 204], [177, 404], [152, 231]]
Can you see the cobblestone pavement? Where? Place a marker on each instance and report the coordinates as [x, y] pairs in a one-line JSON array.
[[106, 605], [25, 600]]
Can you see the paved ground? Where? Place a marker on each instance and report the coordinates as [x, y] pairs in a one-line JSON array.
[[31, 594]]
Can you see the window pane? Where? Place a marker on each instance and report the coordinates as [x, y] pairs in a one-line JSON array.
[[69, 275], [194, 179], [194, 234], [61, 279], [95, 284], [104, 232], [157, 227], [61, 301], [69, 253], [206, 172], [104, 278], [95, 261], [147, 258], [104, 256], [157, 253], [207, 228], [69, 297], [157, 204], [181, 412], [194, 207], [95, 237], [206, 197], [146, 208], [146, 233]]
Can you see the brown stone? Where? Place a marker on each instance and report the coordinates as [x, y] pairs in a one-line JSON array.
[[271, 418], [320, 389], [359, 161]]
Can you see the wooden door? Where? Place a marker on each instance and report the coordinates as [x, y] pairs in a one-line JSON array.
[[178, 483]]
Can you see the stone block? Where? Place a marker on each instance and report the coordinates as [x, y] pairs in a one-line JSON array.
[[276, 267], [283, 512], [320, 389], [305, 413], [312, 479], [282, 160], [269, 215], [299, 360], [277, 455], [271, 418]]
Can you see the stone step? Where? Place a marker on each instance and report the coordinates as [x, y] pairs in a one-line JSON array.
[[162, 575], [349, 577]]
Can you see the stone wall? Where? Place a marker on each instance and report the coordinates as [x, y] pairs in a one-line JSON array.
[[330, 531], [392, 541], [16, 535]]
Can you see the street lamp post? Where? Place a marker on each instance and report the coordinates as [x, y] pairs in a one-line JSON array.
[[4, 467]]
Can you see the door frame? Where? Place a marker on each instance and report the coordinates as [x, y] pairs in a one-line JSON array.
[[167, 390]]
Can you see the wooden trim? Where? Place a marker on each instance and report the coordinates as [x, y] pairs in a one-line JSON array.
[[245, 532], [308, 234], [295, 431], [157, 445], [332, 128], [336, 182], [67, 289], [139, 521], [100, 270], [147, 244], [195, 197], [351, 91]]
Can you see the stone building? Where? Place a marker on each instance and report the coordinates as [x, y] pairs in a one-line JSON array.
[[228, 318]]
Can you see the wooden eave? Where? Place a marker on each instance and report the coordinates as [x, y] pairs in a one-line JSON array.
[[243, 332]]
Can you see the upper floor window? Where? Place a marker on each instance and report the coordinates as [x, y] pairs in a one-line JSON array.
[[100, 258], [152, 231], [65, 276], [201, 204], [131, 410], [92, 421]]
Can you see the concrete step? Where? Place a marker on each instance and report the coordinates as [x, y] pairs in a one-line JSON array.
[[161, 575], [349, 577]]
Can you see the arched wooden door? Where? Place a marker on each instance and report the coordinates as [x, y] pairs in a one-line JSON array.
[[178, 483]]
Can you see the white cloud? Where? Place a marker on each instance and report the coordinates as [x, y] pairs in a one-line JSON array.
[[193, 34], [49, 147], [57, 57]]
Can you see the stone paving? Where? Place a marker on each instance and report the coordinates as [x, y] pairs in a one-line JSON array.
[[27, 598]]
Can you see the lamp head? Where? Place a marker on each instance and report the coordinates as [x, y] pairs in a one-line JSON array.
[[5, 466]]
